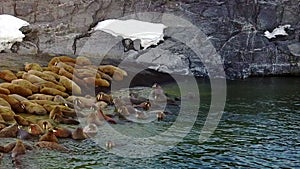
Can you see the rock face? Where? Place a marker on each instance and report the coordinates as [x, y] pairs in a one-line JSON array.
[[234, 28]]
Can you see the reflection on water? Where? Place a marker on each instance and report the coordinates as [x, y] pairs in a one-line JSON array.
[[260, 127]]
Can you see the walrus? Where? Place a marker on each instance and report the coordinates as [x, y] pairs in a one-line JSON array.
[[93, 118], [45, 124], [68, 68], [33, 66], [56, 76], [60, 132], [105, 76], [7, 75], [53, 61], [90, 130], [74, 78], [41, 97], [43, 102], [49, 136], [98, 82], [52, 91], [21, 120], [110, 70], [60, 119], [81, 101], [63, 108], [145, 105], [59, 99], [46, 77], [141, 115], [51, 146], [81, 73], [53, 69], [4, 91], [32, 78], [14, 103], [104, 97], [26, 84], [16, 89], [101, 115], [4, 103], [78, 134], [17, 97], [33, 108], [10, 131], [123, 111], [7, 147], [70, 85], [7, 113], [118, 102], [55, 111], [101, 104], [35, 130], [59, 87], [109, 144], [81, 60], [160, 115], [19, 74], [67, 59], [19, 149]]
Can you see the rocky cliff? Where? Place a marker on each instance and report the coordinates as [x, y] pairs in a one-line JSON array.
[[235, 29]]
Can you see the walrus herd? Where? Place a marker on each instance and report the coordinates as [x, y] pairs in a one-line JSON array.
[[57, 93]]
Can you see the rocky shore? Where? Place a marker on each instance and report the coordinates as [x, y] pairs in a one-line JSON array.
[[235, 30]]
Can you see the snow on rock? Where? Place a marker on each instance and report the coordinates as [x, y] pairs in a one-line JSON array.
[[148, 33], [9, 31], [277, 31]]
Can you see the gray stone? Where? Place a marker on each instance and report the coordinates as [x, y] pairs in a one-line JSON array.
[[234, 28], [25, 48], [295, 49]]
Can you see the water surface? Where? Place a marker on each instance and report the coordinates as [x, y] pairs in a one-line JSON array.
[[260, 128]]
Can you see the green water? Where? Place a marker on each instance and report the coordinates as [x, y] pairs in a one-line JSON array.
[[260, 128]]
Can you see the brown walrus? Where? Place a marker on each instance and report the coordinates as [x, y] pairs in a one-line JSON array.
[[7, 113], [33, 108], [55, 111], [14, 103], [41, 97], [16, 89], [52, 91], [32, 66], [60, 119], [4, 103], [4, 91], [93, 118], [70, 85], [10, 131], [49, 136], [78, 134], [21, 120], [32, 78], [35, 130], [26, 84], [45, 124], [43, 76], [51, 146], [19, 149], [7, 75], [60, 132], [105, 97], [59, 87]]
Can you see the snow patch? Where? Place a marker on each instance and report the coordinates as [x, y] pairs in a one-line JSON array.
[[277, 31], [149, 33], [9, 31]]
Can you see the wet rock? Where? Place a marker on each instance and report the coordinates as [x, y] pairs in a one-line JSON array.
[[64, 27], [295, 49]]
